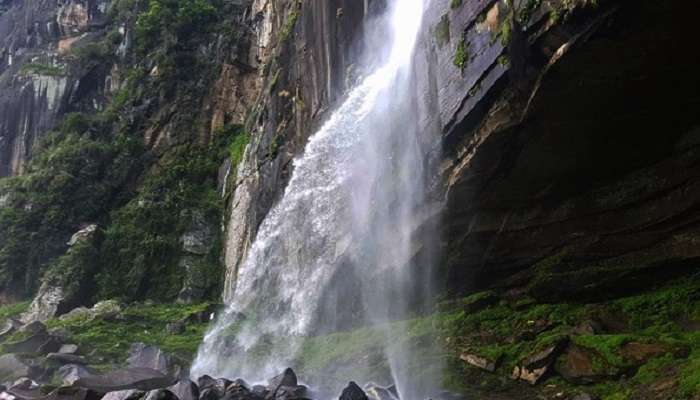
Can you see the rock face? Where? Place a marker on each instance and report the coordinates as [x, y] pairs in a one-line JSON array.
[[37, 86]]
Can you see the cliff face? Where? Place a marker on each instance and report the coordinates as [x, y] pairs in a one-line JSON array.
[[38, 82]]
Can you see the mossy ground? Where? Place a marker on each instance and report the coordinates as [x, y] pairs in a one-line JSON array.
[[108, 341]]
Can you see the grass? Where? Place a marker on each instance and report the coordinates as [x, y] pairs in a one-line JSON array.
[[139, 323], [461, 56], [13, 310], [42, 69]]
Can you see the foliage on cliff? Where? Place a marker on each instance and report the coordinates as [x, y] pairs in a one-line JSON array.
[[100, 167]]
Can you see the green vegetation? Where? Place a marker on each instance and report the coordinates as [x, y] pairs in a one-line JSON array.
[[13, 310], [289, 25], [461, 56], [138, 323], [442, 31], [42, 69], [455, 4]]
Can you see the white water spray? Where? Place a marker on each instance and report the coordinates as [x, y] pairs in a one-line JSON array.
[[340, 247]]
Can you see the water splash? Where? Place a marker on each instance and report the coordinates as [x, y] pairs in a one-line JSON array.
[[340, 248]]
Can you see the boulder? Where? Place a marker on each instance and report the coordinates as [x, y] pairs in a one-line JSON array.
[[124, 395], [376, 392], [128, 378], [211, 393], [203, 316], [29, 345], [64, 358], [45, 304], [205, 382], [79, 313], [148, 356], [353, 392], [582, 365], [289, 393], [69, 373], [160, 394], [33, 328], [286, 378], [107, 310], [185, 389], [51, 345], [479, 362], [68, 349], [538, 365]]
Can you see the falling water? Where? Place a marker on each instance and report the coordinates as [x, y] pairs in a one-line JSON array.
[[340, 248]]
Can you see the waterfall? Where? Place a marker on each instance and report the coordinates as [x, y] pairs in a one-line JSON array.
[[341, 247]]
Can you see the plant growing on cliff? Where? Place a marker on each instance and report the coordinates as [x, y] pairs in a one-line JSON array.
[[461, 56]]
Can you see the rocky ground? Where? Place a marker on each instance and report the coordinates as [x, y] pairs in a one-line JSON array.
[[490, 345]]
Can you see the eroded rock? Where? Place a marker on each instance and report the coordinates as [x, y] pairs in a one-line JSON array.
[[353, 392], [479, 362]]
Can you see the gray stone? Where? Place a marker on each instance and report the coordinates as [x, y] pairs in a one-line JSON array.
[[124, 395], [175, 328], [160, 394], [70, 373], [33, 328], [12, 367], [147, 356], [68, 349], [45, 304], [286, 378], [185, 389]]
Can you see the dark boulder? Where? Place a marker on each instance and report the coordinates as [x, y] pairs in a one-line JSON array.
[[147, 356], [185, 389], [211, 393], [205, 382], [160, 394], [353, 392], [70, 373], [12, 367], [287, 378]]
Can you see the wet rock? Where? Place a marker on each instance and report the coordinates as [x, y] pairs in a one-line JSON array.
[[12, 367], [203, 316], [353, 392], [211, 393], [205, 382], [479, 362], [291, 393], [124, 395], [185, 389], [64, 358], [160, 394], [287, 378], [376, 392], [70, 373], [260, 390], [223, 383], [148, 356], [24, 384]]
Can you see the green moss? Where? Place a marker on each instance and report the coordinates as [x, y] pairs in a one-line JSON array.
[[461, 56], [289, 24], [140, 323], [442, 31], [42, 69], [689, 383], [455, 4], [13, 310]]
